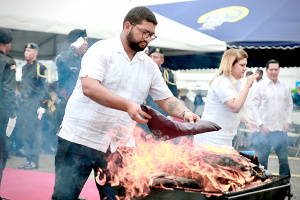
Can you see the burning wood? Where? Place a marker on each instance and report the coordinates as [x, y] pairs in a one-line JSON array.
[[162, 179], [207, 169]]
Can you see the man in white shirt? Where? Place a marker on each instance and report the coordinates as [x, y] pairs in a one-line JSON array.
[[271, 107], [260, 75], [115, 78]]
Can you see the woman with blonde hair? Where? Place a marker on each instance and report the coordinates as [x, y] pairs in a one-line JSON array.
[[225, 99]]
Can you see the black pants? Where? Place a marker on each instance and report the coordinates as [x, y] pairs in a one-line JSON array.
[[29, 126], [60, 112], [3, 139], [73, 165]]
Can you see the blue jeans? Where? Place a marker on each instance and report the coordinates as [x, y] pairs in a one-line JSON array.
[[263, 145]]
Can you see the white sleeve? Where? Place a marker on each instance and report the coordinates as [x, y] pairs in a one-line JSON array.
[[288, 106], [159, 89], [94, 62], [255, 102], [225, 90]]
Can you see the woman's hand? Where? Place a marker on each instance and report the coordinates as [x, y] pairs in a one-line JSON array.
[[251, 79]]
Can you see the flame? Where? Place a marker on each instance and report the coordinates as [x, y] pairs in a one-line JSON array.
[[216, 169]]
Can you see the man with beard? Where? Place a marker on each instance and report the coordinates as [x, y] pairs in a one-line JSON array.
[[115, 78]]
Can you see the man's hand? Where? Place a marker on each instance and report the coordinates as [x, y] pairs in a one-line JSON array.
[[10, 126], [253, 127], [79, 42], [286, 128], [191, 117], [135, 112], [264, 130], [40, 111]]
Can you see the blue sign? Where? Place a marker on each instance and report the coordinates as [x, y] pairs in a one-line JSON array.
[[246, 23]]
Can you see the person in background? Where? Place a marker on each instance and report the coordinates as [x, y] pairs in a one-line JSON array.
[[68, 64], [243, 138], [34, 94], [156, 54], [146, 50], [115, 78], [8, 104], [225, 99], [187, 102], [296, 98], [15, 142], [260, 75], [49, 137], [199, 105], [272, 107], [248, 73], [247, 104]]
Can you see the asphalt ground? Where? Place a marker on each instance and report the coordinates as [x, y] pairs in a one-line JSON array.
[[295, 173], [46, 164]]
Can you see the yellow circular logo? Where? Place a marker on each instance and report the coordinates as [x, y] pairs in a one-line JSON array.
[[217, 17]]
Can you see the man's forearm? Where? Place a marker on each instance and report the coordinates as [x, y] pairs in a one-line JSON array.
[[93, 89], [172, 106]]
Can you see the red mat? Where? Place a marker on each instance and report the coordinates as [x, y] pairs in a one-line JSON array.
[[20, 184]]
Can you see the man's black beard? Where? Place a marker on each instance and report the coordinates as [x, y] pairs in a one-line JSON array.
[[132, 42]]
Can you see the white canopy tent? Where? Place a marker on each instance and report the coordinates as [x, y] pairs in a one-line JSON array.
[[101, 18]]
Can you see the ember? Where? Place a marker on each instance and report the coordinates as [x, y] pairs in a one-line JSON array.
[[163, 164]]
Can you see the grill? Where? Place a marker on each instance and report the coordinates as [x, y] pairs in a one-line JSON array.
[[162, 186], [278, 189], [167, 180]]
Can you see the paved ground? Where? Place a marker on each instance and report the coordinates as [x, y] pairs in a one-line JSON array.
[[295, 172], [47, 165]]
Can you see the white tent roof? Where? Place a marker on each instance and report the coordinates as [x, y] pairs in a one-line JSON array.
[[102, 19]]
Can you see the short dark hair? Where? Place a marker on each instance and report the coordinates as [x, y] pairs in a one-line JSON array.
[[138, 14], [260, 71], [271, 61], [5, 35], [248, 73], [75, 34]]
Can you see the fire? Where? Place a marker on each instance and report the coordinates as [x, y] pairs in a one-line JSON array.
[[215, 169]]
